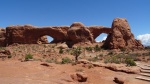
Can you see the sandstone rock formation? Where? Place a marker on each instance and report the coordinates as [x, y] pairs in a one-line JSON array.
[[78, 33], [33, 35], [119, 35], [97, 30], [2, 36]]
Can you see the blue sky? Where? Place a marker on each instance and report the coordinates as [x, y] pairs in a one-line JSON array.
[[89, 12]]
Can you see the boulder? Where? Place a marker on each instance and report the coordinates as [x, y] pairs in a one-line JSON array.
[[119, 80], [79, 76]]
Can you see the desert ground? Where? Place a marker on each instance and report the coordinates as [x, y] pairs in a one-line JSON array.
[[49, 65]]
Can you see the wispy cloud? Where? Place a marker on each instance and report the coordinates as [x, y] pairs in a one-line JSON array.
[[145, 38]]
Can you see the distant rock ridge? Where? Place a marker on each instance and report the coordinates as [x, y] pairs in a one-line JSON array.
[[119, 35]]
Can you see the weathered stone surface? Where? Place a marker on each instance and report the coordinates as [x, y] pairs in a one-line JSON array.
[[2, 37], [97, 30], [78, 33], [119, 80], [121, 36], [33, 35], [79, 76], [42, 40], [123, 68]]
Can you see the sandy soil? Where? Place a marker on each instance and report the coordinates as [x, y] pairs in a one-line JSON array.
[[32, 72]]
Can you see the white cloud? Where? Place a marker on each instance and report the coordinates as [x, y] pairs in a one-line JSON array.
[[104, 38], [145, 38]]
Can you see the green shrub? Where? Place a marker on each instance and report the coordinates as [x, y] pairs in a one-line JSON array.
[[115, 59], [66, 60], [9, 56], [28, 56], [61, 51], [121, 58], [88, 48], [130, 62], [76, 52], [94, 59], [97, 48], [2, 48]]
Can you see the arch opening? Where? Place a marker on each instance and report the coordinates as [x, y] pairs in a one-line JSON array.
[[101, 37], [49, 39], [46, 39]]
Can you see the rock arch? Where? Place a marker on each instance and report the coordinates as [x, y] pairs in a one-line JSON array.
[[119, 35], [30, 35]]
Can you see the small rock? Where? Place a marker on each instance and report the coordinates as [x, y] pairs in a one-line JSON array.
[[45, 64], [84, 61], [119, 80], [79, 76]]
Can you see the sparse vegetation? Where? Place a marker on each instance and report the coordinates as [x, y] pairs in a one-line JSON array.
[[76, 52], [61, 51], [89, 48], [51, 60], [130, 62], [9, 56], [2, 48], [66, 60], [97, 48], [112, 59], [94, 59], [121, 58], [28, 56]]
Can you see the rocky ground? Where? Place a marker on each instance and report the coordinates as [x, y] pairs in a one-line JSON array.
[[46, 66]]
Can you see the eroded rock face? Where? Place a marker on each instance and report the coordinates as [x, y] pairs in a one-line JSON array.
[[35, 35], [78, 33], [97, 30], [121, 36], [2, 37]]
